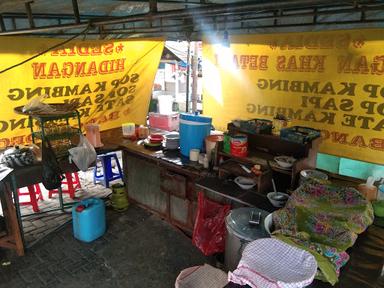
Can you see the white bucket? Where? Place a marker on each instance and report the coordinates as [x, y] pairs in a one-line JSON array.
[[165, 104]]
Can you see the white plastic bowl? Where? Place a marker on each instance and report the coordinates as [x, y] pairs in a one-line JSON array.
[[245, 182], [268, 223], [285, 161], [273, 197]]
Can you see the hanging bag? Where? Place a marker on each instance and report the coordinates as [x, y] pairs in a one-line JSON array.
[[51, 174], [209, 231], [83, 155]]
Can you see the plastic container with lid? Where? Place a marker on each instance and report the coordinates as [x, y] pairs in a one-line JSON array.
[[128, 129], [88, 219], [168, 122], [93, 134], [239, 145], [193, 130], [368, 191], [240, 232], [165, 104]]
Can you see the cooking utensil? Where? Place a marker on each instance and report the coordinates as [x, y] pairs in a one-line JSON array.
[[284, 161], [245, 168], [274, 185]]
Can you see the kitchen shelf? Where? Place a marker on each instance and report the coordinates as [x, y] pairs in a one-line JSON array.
[[60, 149], [262, 149], [56, 136]]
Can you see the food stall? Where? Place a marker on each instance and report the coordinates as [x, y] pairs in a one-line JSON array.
[[241, 181]]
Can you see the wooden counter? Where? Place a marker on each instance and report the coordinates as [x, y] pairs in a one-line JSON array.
[[167, 184]]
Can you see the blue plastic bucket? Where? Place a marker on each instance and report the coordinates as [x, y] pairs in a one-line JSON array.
[[88, 219], [193, 130]]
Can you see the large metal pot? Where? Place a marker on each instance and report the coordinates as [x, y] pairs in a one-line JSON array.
[[240, 232]]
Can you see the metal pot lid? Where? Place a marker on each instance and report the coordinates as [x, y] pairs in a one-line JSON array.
[[195, 118], [237, 222]]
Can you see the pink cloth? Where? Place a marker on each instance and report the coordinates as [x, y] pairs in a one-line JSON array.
[[271, 263]]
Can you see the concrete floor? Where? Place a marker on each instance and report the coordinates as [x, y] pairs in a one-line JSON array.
[[138, 250]]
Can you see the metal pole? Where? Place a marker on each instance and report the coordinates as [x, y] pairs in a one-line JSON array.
[[176, 79], [188, 72], [76, 11], [2, 24], [29, 14], [194, 77]]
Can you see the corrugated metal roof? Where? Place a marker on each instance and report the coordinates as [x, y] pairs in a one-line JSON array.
[[184, 19]]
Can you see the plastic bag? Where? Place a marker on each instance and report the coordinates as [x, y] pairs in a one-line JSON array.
[[83, 155], [36, 105], [209, 231]]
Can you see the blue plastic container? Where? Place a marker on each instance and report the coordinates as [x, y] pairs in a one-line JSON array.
[[193, 130], [88, 218]]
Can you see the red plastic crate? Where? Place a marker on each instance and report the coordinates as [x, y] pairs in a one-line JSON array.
[[165, 122]]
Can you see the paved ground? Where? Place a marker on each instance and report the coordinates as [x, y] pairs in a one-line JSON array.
[[37, 226], [138, 250]]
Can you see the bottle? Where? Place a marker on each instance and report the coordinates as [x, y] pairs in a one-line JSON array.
[[380, 193], [206, 162]]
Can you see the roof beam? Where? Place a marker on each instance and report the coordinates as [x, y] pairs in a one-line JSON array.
[[76, 11], [2, 25], [206, 11], [29, 14], [202, 2], [152, 6]]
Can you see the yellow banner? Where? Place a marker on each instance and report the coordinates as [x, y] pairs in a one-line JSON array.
[[331, 81], [111, 81]]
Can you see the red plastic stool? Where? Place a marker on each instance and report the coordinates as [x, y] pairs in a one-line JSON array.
[[72, 181], [34, 193]]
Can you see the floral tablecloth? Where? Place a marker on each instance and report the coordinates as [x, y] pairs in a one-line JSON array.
[[324, 220]]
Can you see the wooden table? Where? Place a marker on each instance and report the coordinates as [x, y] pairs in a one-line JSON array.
[[26, 176], [12, 237]]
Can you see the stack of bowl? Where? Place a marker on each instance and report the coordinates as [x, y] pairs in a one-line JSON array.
[[154, 141], [172, 141]]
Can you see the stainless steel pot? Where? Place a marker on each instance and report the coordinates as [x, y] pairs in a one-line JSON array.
[[240, 232]]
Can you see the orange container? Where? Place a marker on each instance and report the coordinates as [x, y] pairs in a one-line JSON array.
[[369, 192]]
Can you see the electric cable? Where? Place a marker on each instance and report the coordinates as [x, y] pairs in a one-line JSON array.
[[47, 50]]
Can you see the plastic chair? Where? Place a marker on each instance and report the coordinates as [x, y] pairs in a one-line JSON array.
[[72, 181], [34, 193], [107, 175]]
